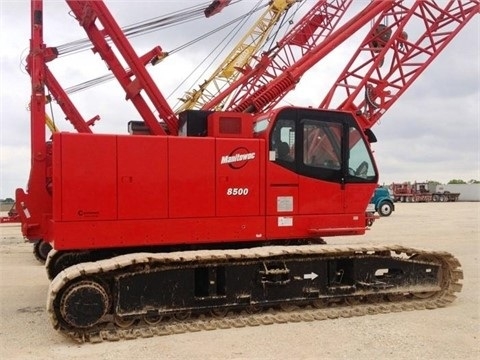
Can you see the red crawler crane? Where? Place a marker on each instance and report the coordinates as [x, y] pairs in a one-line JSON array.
[[127, 225]]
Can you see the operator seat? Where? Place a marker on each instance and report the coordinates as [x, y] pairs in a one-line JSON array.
[[283, 151]]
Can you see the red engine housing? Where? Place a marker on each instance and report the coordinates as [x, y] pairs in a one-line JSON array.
[[163, 190]]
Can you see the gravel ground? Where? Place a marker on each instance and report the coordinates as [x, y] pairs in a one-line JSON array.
[[449, 333]]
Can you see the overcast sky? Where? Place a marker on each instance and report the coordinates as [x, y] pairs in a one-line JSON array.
[[431, 133]]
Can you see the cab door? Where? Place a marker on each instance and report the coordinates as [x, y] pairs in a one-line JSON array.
[[310, 187]]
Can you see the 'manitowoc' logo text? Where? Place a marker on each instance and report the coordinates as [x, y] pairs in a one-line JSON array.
[[238, 158]]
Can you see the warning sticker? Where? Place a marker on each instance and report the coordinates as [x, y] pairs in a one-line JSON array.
[[285, 221], [284, 203]]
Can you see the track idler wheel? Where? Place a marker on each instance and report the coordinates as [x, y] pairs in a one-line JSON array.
[[84, 303]]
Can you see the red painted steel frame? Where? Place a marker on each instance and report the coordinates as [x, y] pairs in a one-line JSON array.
[[137, 78], [317, 24], [376, 77], [60, 96], [215, 7], [194, 190], [35, 206], [267, 96], [62, 99]]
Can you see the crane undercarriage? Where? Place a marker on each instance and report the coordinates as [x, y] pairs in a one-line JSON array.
[[147, 294]]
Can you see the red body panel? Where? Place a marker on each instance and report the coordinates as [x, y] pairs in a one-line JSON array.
[[142, 186], [302, 206], [132, 233], [191, 177], [87, 189], [164, 190], [238, 187]]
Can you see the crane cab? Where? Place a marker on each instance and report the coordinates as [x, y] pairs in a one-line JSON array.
[[320, 172]]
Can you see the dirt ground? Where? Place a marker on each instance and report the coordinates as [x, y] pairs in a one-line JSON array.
[[448, 333]]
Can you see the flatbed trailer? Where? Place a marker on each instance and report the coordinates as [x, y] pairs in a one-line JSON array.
[[445, 196], [420, 192]]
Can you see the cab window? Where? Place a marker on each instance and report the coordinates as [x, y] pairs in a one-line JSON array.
[[283, 141], [322, 144], [360, 164]]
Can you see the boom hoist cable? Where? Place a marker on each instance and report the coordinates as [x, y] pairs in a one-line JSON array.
[[110, 76], [268, 95], [214, 54], [239, 58], [316, 26], [134, 79], [409, 57], [143, 27]]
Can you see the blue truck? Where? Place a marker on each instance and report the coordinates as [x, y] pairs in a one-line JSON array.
[[382, 200]]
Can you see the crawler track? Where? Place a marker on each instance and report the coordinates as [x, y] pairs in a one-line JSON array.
[[336, 307]]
